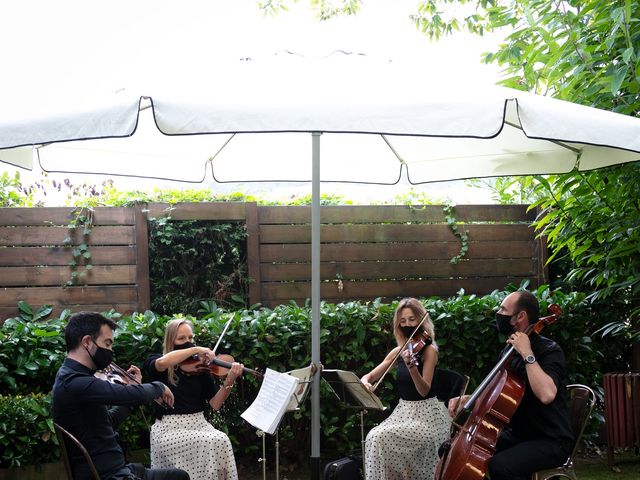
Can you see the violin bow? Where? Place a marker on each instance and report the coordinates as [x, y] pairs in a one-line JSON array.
[[224, 330]]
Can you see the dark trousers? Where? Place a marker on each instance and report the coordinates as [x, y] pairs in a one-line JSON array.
[[138, 471], [518, 460]]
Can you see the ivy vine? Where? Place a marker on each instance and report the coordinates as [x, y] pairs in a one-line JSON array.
[[80, 264], [460, 233]]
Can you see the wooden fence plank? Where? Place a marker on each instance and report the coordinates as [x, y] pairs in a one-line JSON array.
[[69, 296], [122, 308], [199, 211], [386, 289], [58, 276], [62, 216], [253, 250], [401, 251], [394, 214], [142, 259], [378, 233], [26, 256], [400, 270], [37, 236]]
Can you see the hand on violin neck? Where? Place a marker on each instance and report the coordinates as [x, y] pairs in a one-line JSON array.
[[408, 359], [235, 371], [135, 373]]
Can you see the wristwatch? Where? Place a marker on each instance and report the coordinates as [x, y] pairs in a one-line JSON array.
[[530, 359]]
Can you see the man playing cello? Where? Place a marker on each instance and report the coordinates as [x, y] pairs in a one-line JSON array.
[[539, 435]]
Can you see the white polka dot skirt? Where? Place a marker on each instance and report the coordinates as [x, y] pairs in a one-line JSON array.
[[191, 443], [405, 445]]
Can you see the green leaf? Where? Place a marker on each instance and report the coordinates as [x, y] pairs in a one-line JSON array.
[[617, 79]]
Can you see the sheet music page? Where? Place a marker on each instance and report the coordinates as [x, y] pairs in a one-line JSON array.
[[275, 393], [304, 382]]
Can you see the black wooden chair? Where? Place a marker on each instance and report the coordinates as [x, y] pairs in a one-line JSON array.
[[68, 442], [581, 403], [449, 384]]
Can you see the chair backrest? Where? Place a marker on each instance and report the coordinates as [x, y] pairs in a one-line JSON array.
[[449, 384], [581, 402], [64, 437]]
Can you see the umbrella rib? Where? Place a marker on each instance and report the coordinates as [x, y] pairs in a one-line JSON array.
[[400, 159], [213, 157], [560, 144]]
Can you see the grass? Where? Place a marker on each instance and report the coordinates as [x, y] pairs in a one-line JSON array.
[[626, 467]]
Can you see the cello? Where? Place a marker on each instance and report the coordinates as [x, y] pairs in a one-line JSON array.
[[485, 414]]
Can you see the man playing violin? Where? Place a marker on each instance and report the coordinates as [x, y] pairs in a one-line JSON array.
[[91, 408], [539, 435], [183, 437]]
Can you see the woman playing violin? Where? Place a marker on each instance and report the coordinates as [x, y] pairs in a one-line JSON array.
[[183, 437], [405, 445]]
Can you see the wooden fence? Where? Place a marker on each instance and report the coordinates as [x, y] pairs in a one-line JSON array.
[[35, 260], [393, 251], [366, 252]]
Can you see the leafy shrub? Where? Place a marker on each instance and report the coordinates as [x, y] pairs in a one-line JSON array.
[[354, 336], [31, 350], [192, 261], [26, 430]]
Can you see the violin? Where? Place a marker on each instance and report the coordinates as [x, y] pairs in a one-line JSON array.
[[118, 375], [419, 340], [218, 367], [114, 374], [487, 412]]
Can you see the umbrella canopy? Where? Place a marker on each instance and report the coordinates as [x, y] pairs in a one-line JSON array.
[[372, 120], [375, 119]]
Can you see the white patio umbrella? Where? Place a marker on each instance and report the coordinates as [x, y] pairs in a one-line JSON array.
[[373, 121]]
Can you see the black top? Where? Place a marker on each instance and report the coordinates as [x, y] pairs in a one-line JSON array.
[[406, 388], [192, 392], [79, 405], [533, 419]]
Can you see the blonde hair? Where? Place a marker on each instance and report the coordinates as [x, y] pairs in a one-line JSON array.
[[170, 335], [419, 312]]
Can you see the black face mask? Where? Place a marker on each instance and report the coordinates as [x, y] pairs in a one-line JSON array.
[[407, 331], [102, 358], [182, 346], [503, 323]]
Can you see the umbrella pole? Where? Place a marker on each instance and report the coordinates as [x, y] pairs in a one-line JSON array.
[[315, 305]]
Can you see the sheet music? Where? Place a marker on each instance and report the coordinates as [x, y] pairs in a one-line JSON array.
[[355, 390], [275, 394]]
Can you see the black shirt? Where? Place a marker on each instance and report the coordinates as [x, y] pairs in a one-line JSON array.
[[79, 405], [192, 392], [533, 419], [406, 388]]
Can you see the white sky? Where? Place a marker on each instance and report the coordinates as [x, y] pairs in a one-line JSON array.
[[86, 46]]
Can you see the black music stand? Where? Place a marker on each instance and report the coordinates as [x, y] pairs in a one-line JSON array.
[[351, 391]]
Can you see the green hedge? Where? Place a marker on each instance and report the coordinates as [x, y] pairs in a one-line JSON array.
[[194, 260], [354, 336], [26, 430]]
